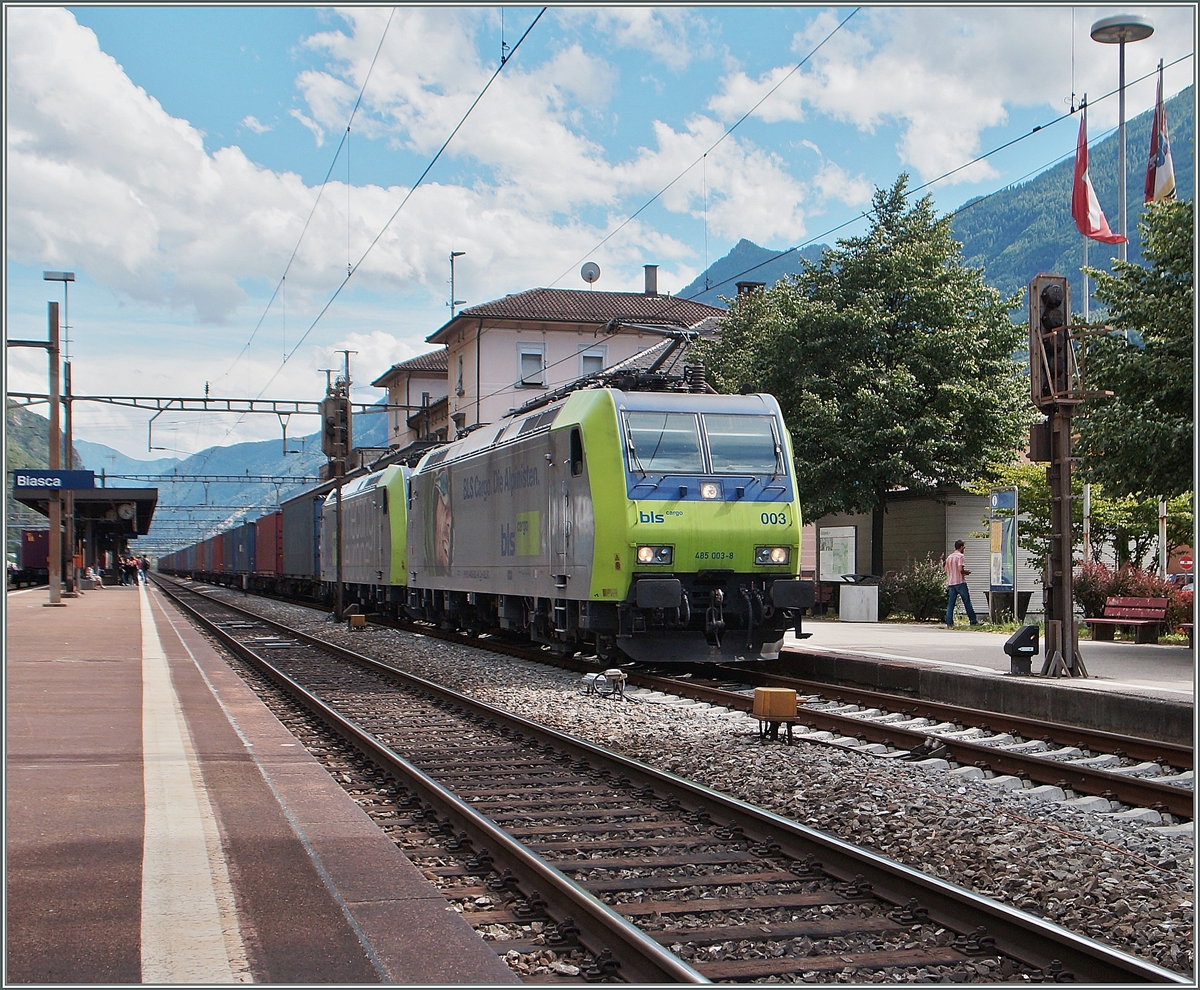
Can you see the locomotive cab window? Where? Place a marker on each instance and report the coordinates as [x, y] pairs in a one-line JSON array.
[[743, 444], [664, 443], [576, 453]]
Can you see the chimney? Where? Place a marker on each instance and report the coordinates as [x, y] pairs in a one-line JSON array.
[[745, 288], [652, 280]]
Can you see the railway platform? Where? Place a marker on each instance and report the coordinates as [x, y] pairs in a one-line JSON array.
[[1141, 689], [162, 826]]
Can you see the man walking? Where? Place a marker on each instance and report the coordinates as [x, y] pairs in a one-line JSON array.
[[956, 578]]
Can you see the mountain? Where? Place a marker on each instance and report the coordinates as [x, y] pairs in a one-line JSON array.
[[1024, 229], [99, 457], [26, 445], [1020, 230], [747, 262], [187, 510], [27, 439]]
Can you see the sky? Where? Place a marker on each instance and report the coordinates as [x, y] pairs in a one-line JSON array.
[[191, 166]]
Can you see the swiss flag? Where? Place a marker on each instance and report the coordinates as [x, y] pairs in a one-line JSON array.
[[1085, 208], [1160, 171]]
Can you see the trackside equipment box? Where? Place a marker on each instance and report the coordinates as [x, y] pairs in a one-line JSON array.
[[779, 702]]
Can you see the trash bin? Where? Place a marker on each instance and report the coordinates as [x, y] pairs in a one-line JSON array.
[[859, 598]]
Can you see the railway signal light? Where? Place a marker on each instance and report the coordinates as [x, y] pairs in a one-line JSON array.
[[1052, 376], [335, 421]]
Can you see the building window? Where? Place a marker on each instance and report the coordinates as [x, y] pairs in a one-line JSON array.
[[458, 389], [591, 362], [532, 358]]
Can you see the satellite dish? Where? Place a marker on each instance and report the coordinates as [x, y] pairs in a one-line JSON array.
[[590, 272]]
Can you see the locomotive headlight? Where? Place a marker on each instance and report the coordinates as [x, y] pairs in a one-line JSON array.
[[772, 555], [710, 489], [655, 554]]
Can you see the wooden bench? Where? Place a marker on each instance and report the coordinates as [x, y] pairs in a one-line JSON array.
[[1144, 615]]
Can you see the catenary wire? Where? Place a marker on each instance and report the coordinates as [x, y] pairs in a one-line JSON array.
[[350, 274], [629, 219], [303, 230], [866, 213], [407, 196]]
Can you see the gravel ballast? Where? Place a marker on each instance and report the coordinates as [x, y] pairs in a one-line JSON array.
[[1117, 881]]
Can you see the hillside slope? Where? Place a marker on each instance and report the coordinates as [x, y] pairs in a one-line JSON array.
[[747, 262], [1025, 229]]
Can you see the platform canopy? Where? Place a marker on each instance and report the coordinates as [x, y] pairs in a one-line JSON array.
[[125, 510]]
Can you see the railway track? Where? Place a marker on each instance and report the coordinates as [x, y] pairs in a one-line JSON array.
[[1088, 762], [632, 866], [1061, 756]]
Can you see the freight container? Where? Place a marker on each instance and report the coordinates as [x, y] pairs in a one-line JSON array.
[[243, 548], [34, 550], [302, 533], [268, 559]]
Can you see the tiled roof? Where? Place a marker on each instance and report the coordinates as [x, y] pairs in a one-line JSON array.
[[588, 306], [434, 361]]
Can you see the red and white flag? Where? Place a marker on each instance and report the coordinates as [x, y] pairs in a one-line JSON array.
[[1085, 208], [1160, 170]]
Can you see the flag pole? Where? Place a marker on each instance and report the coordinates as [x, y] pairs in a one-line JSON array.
[[1083, 271], [1087, 293]]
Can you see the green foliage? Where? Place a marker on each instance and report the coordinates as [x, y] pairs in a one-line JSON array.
[[1139, 441], [889, 594], [890, 358], [920, 588], [26, 445], [1126, 525]]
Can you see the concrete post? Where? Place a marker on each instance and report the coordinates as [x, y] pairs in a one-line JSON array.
[[55, 555]]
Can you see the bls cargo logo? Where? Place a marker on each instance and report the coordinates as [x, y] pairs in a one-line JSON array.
[[650, 517], [523, 539]]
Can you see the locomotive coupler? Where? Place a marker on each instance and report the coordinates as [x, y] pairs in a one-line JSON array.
[[714, 618]]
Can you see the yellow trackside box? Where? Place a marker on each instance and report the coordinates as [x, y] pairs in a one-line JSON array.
[[770, 701]]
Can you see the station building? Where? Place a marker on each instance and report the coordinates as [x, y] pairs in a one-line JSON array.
[[499, 354]]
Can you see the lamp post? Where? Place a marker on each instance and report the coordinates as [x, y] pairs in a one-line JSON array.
[[1117, 30], [454, 303], [68, 438]]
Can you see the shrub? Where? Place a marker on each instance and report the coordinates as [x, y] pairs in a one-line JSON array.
[[1091, 584], [889, 594], [923, 584], [1180, 609], [1094, 584]]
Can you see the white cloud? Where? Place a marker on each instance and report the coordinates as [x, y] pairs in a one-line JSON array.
[[673, 36], [833, 182], [317, 131], [946, 75], [254, 124]]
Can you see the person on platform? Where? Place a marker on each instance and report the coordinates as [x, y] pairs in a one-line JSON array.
[[956, 579], [143, 565]]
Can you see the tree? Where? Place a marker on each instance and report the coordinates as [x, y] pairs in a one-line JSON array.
[[891, 359], [1139, 441], [1126, 525]]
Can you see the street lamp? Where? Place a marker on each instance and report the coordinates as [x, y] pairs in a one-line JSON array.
[[1117, 30], [454, 303], [68, 439]]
